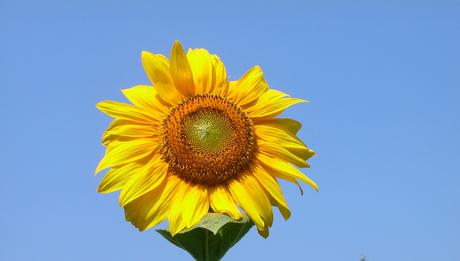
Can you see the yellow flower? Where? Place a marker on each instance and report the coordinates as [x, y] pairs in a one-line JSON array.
[[196, 143]]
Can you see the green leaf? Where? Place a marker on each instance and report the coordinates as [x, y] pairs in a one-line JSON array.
[[210, 239]]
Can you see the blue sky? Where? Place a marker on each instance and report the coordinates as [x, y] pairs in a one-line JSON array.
[[384, 84]]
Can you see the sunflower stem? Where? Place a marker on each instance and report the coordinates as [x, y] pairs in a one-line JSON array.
[[206, 245], [221, 233]]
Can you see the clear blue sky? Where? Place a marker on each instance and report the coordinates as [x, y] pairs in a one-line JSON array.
[[384, 84]]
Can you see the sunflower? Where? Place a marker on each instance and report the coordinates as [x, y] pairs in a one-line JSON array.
[[195, 142]]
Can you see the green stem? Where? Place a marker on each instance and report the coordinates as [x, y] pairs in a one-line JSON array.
[[206, 245]]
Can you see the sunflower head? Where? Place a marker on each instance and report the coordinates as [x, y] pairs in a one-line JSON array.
[[195, 142]]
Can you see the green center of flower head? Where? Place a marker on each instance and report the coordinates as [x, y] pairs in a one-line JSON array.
[[208, 131], [207, 140]]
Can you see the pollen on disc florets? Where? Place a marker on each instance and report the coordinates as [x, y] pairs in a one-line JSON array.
[[207, 140]]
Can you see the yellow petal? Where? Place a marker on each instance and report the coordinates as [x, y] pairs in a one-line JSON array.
[[270, 104], [195, 205], [222, 202], [209, 74], [180, 71], [123, 130], [275, 150], [232, 90], [146, 97], [148, 177], [157, 68], [116, 178], [270, 184], [221, 81], [161, 210], [252, 198], [152, 208], [249, 87], [284, 170], [278, 136], [303, 153], [284, 131], [125, 111], [134, 130], [201, 65], [118, 153], [264, 232], [175, 220], [289, 125], [136, 211], [107, 137]]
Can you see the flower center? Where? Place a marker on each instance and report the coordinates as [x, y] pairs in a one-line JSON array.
[[207, 140]]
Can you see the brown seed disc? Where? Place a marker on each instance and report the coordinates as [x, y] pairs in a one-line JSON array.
[[207, 140]]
